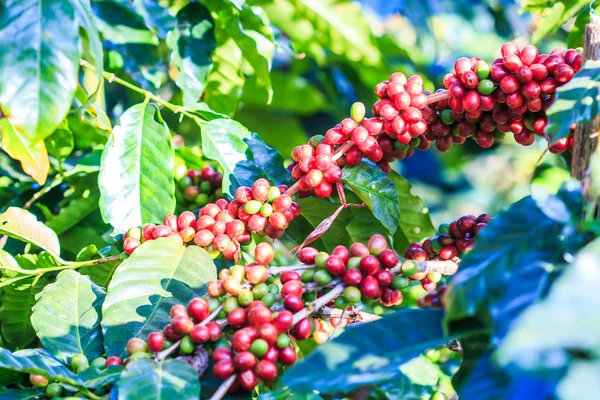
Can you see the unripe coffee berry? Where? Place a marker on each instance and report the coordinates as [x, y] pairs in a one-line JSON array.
[[358, 111], [351, 295], [134, 345]]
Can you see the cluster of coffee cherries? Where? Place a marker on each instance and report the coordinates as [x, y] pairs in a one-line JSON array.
[[510, 96], [454, 240], [222, 227], [198, 188], [433, 299], [314, 168], [364, 269]]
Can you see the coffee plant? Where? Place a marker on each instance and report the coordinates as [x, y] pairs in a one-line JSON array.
[[153, 246]]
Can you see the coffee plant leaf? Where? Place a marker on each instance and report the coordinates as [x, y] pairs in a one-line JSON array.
[[145, 379], [579, 381], [232, 145], [534, 337], [415, 222], [33, 156], [554, 16], [521, 241], [136, 173], [38, 361], [485, 380], [576, 102], [20, 224], [60, 144], [285, 394], [256, 49], [95, 378], [225, 82], [192, 42], [66, 317], [92, 45], [74, 212], [20, 394], [7, 260], [156, 16], [158, 275], [100, 274], [39, 42], [340, 364], [377, 190], [120, 23]]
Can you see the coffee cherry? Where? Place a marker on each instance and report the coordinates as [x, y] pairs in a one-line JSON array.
[[352, 277], [245, 297], [283, 321], [130, 244], [390, 297], [257, 274], [301, 331], [335, 265], [247, 380], [289, 276], [388, 258], [266, 370], [134, 345], [293, 303], [113, 360], [360, 250], [287, 356], [264, 253], [221, 353], [198, 309], [409, 268], [182, 325], [351, 295], [268, 332], [377, 243], [400, 282], [322, 277], [54, 390], [369, 265], [369, 287], [223, 369], [384, 277], [292, 287], [237, 317], [241, 341], [38, 380]]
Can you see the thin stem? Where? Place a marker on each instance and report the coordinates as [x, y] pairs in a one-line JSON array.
[[341, 150], [448, 267], [110, 77], [318, 303], [166, 352], [338, 324], [280, 270], [293, 189], [441, 95], [222, 390]]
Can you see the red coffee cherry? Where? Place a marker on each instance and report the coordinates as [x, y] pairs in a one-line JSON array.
[[352, 277], [335, 265], [198, 309], [223, 369], [237, 317], [369, 265], [287, 356], [303, 329], [266, 370], [283, 321], [369, 288], [200, 334], [222, 353], [155, 341], [293, 303]]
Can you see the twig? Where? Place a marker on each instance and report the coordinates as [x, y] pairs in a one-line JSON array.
[[222, 390], [341, 150], [434, 98], [448, 267], [299, 267], [293, 189], [337, 325], [318, 303]]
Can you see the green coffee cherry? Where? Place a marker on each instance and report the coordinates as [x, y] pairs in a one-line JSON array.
[[283, 341], [340, 303], [260, 290], [259, 347], [444, 228], [409, 268], [230, 304], [320, 259], [54, 390], [446, 117], [322, 277], [79, 363], [202, 199], [253, 206], [205, 187], [485, 87], [274, 288], [99, 363], [354, 263], [245, 297], [186, 346], [482, 70], [266, 210], [268, 299], [351, 295], [136, 356], [358, 111], [400, 282], [308, 276]]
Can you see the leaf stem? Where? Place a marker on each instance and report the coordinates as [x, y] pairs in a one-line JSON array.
[[67, 265], [110, 77]]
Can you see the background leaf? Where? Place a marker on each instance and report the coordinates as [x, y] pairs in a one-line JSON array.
[[22, 225], [33, 156], [377, 190], [38, 361], [576, 102], [136, 175], [158, 275], [145, 379], [192, 43], [39, 52], [66, 317], [555, 16], [340, 364]]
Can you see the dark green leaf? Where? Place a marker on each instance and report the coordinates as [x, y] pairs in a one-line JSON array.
[[576, 102], [506, 271], [557, 14], [158, 275], [92, 45], [377, 190], [340, 365], [74, 212], [99, 274], [23, 225], [534, 337], [66, 317], [20, 394], [286, 394], [156, 16], [415, 222], [95, 378], [136, 175], [39, 52], [232, 146], [192, 43], [145, 379]]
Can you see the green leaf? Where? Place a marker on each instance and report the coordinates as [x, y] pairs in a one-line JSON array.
[[158, 275], [38, 361], [74, 212], [192, 43], [39, 54], [242, 155], [7, 260], [145, 379], [20, 394], [66, 316], [534, 337], [23, 225], [340, 365], [316, 25], [33, 156], [121, 24], [415, 222], [95, 378], [555, 16], [255, 48], [225, 82], [99, 274], [377, 190], [136, 174], [156, 16], [576, 102], [60, 144], [506, 271], [92, 45], [286, 394], [16, 302]]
